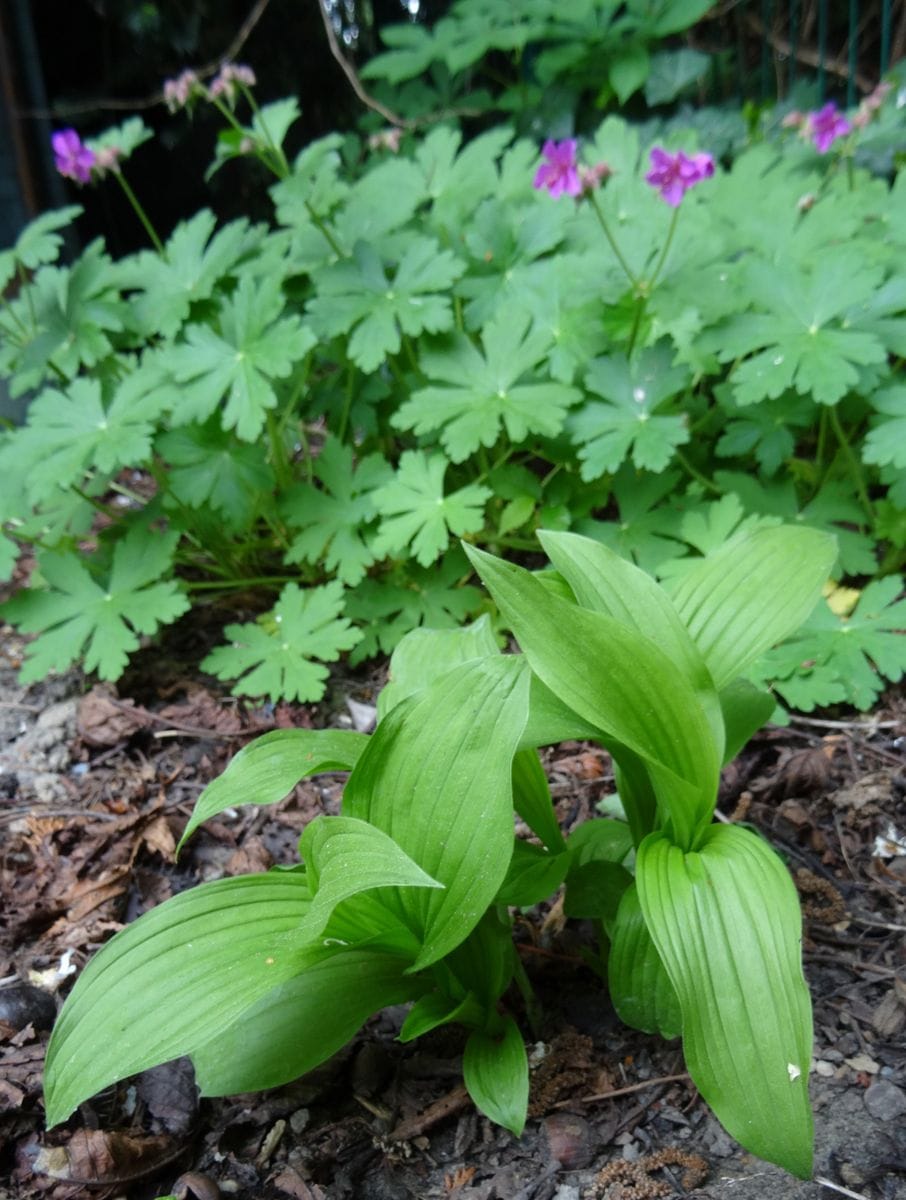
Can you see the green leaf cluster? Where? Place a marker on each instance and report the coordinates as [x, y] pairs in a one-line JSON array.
[[403, 897], [421, 347]]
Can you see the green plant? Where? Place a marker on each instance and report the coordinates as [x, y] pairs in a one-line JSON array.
[[302, 418], [539, 57], [404, 896]]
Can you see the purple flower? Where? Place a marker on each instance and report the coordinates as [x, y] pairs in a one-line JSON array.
[[674, 174], [559, 173], [179, 91], [825, 126], [72, 157], [231, 76]]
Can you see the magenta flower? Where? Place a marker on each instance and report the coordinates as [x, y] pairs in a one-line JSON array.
[[72, 157], [674, 174], [559, 174], [825, 126]]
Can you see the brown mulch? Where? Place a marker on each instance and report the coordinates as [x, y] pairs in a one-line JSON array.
[[88, 826]]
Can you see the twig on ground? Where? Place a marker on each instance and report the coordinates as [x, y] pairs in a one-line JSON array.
[[838, 1187], [625, 1091]]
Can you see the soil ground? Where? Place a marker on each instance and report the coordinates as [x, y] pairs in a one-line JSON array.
[[95, 788]]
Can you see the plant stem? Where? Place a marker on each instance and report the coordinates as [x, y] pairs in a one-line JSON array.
[[660, 262], [141, 214], [627, 270], [853, 464], [640, 305], [324, 230], [696, 473], [277, 151], [821, 448], [532, 1007], [347, 405], [208, 585], [279, 457]]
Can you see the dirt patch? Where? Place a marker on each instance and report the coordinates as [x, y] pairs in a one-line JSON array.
[[95, 788]]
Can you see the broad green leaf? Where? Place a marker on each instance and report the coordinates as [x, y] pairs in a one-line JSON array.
[[275, 655], [835, 509], [475, 396], [726, 923], [752, 593], [302, 1022], [639, 986], [482, 966], [423, 655], [437, 777], [333, 518], [76, 616], [534, 875], [630, 419], [495, 1070], [345, 856], [551, 721], [417, 514], [172, 981], [745, 709], [267, 769], [619, 680], [594, 890], [600, 840], [532, 798], [605, 582], [432, 1011]]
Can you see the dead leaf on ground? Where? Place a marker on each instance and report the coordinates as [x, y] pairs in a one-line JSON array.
[[92, 1156], [103, 720]]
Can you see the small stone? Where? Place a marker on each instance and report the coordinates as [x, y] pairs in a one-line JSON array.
[[890, 1015], [566, 1191], [861, 1062], [299, 1120], [824, 1068], [569, 1140], [23, 1004], [885, 1101]]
